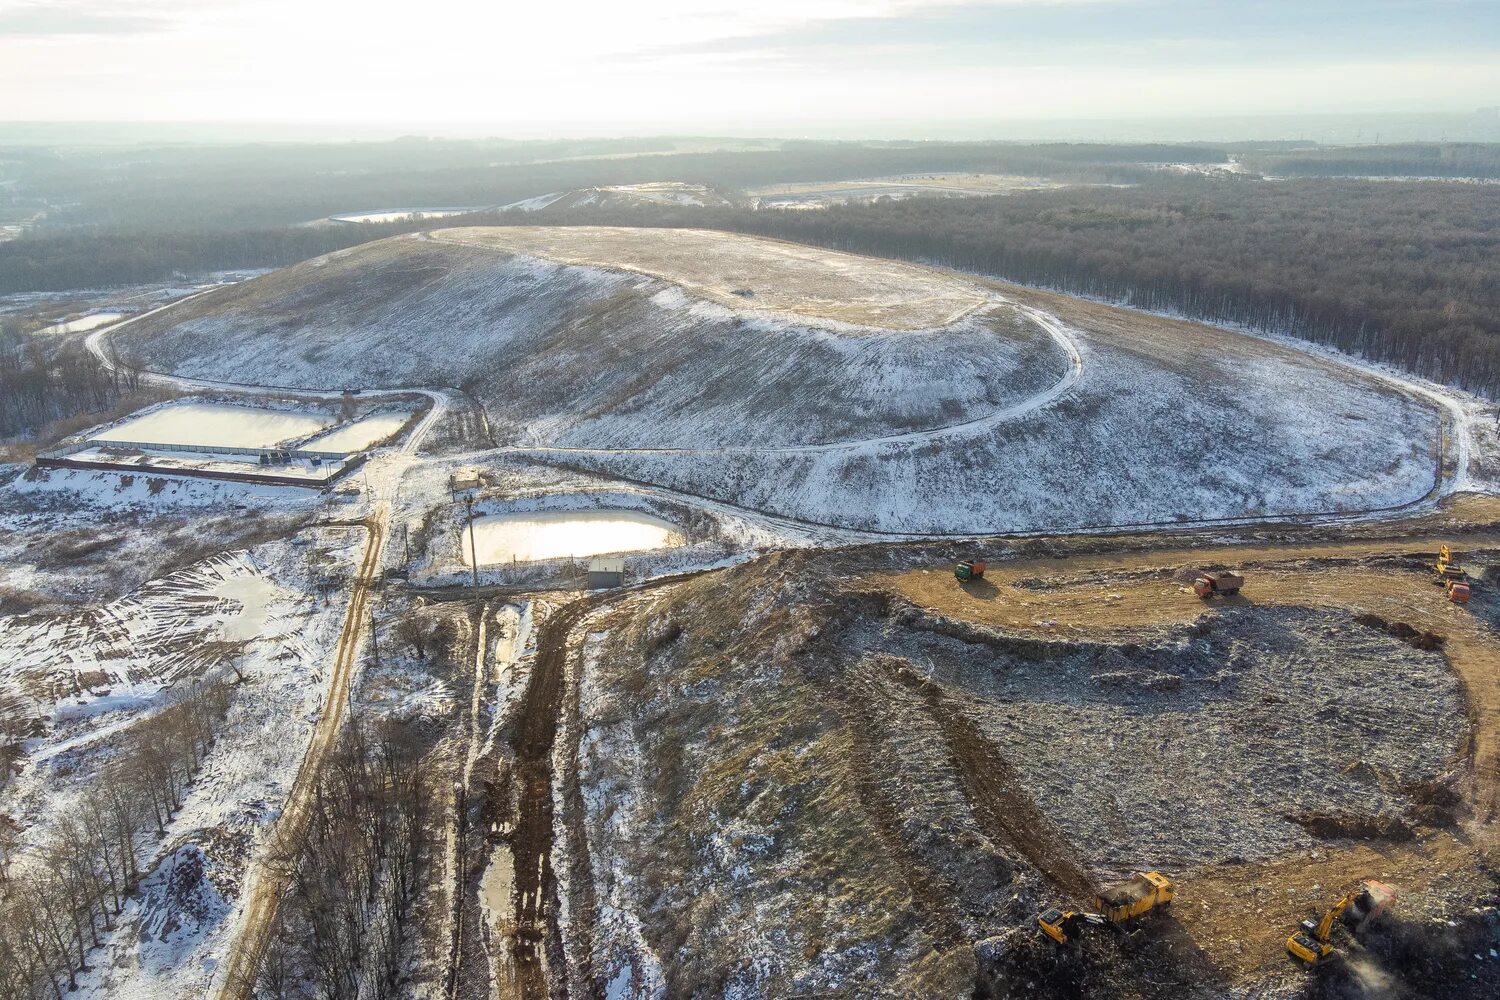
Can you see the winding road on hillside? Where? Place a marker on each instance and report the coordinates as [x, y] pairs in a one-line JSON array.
[[1452, 460]]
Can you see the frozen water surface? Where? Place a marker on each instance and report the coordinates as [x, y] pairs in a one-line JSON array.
[[215, 424], [560, 534]]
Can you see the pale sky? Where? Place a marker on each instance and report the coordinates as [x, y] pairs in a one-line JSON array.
[[556, 67]]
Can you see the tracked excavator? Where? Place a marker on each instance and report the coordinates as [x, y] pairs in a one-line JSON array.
[[1313, 945]]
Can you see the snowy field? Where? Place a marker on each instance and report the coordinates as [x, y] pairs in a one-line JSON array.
[[506, 538], [214, 424], [821, 194], [1169, 421], [743, 273], [397, 214], [256, 608], [622, 196]]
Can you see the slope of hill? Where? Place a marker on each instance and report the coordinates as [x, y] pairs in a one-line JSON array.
[[687, 339]]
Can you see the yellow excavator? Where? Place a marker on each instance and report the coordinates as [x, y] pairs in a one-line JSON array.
[[1117, 905], [1313, 945]]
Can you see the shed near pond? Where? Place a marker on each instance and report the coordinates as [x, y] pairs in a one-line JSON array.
[[606, 572]]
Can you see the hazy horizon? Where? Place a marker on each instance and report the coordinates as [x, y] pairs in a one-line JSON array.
[[819, 68], [1480, 125]]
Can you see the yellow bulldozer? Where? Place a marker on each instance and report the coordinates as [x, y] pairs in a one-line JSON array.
[[1117, 905], [1452, 577], [1313, 943]]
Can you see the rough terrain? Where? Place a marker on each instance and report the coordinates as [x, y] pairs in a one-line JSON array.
[[949, 758]]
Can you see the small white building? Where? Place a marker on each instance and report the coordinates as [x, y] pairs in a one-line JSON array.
[[606, 571], [464, 480]]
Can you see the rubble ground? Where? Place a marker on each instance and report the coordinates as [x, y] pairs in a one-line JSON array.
[[936, 761]]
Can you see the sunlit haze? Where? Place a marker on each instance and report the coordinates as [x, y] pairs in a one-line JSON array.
[[778, 66]]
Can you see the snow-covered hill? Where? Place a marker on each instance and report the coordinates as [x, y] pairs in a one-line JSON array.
[[565, 352]]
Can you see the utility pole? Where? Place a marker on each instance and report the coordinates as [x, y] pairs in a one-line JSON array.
[[473, 556], [374, 643]]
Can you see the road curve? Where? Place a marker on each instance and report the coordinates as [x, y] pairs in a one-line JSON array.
[[1051, 324], [441, 398]]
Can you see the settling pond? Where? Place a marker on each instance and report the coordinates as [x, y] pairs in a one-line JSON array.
[[561, 534]]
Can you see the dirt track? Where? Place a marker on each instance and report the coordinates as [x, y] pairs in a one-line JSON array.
[[271, 877], [531, 846], [1240, 914]]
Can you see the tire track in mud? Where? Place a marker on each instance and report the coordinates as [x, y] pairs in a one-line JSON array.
[[998, 796], [535, 885], [933, 893], [538, 941]]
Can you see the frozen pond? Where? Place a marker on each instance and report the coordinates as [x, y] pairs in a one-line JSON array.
[[396, 214], [558, 534], [360, 434], [83, 323], [209, 425]]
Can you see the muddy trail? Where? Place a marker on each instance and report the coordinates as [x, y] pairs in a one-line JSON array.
[[537, 946], [535, 735]]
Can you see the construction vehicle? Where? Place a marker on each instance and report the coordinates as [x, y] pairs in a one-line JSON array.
[[969, 569], [1313, 944], [1141, 893], [1063, 926], [1452, 577], [1223, 584], [1117, 905]]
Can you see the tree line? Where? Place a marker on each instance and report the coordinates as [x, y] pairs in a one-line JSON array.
[[59, 894], [344, 923], [1456, 159], [40, 383], [188, 189], [102, 258]]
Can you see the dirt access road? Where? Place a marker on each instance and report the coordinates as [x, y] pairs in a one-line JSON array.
[[265, 887], [1239, 915]]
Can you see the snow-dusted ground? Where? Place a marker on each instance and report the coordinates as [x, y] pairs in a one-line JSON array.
[[1193, 426], [578, 355], [256, 606], [821, 194], [214, 424], [83, 324], [751, 274], [397, 214], [623, 195]]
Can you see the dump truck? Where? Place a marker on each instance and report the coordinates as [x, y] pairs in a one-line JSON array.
[[1117, 905], [1224, 584], [1313, 943], [1141, 893], [969, 569]]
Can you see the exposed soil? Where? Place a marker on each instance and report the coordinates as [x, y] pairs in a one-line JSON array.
[[934, 762]]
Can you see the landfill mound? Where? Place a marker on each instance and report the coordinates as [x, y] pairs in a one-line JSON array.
[[748, 347]]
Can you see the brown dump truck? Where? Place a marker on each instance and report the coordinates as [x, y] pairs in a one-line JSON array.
[[1226, 584]]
